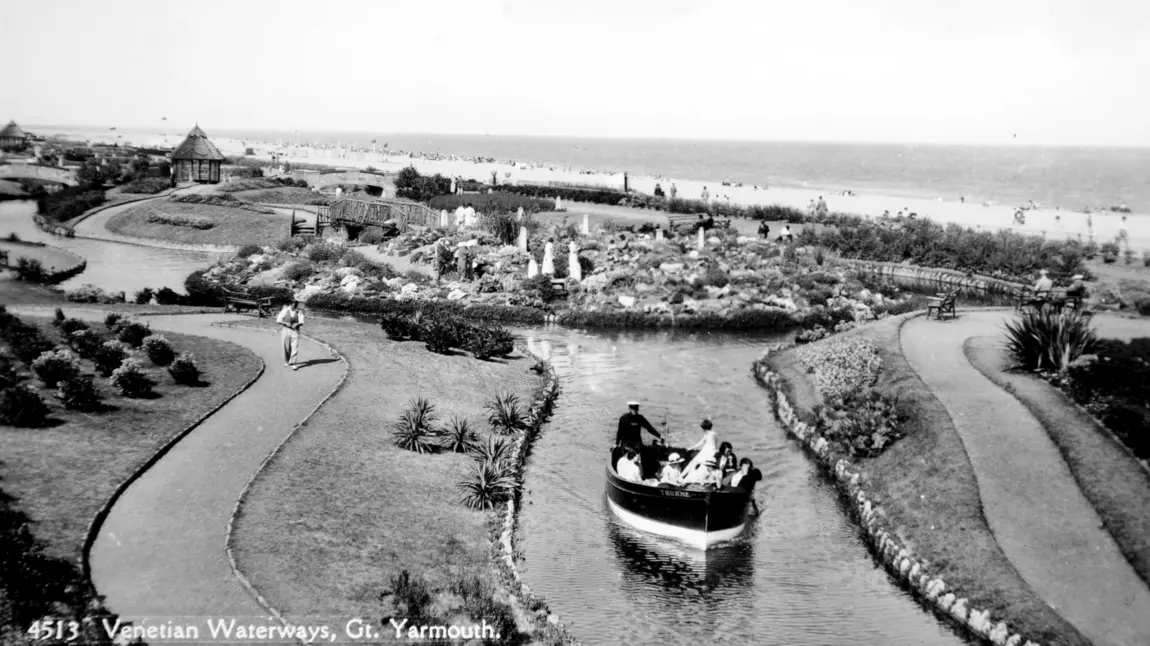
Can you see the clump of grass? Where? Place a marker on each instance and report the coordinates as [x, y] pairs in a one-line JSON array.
[[459, 437], [415, 430], [505, 414], [1049, 340]]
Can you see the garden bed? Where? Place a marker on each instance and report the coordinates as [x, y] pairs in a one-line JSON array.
[[282, 195], [353, 498], [231, 226]]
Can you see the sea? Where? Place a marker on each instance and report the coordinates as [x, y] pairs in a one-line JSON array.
[[1071, 178]]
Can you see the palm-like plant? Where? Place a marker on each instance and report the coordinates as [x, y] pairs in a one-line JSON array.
[[495, 451], [415, 429], [1049, 339], [487, 485], [459, 437], [505, 414]]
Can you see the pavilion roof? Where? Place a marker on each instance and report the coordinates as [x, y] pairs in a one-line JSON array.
[[197, 147]]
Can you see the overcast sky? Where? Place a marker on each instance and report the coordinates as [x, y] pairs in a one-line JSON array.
[[975, 71]]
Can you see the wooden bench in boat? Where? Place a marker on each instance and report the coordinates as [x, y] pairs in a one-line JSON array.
[[943, 304], [676, 220], [236, 301]]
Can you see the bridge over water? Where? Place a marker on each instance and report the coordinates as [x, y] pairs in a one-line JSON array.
[[34, 171]]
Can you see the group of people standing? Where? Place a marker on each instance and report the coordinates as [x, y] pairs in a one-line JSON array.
[[714, 463]]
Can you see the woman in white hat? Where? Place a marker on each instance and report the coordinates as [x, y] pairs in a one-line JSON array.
[[670, 473]]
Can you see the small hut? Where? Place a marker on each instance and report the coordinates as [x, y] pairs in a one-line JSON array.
[[13, 136], [197, 159]]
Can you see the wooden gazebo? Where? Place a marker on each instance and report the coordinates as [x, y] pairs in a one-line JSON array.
[[197, 159], [13, 136]]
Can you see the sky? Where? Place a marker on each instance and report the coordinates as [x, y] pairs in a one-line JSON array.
[[1053, 72]]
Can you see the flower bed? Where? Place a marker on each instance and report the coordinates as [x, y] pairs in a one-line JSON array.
[[221, 200], [179, 220], [841, 367]]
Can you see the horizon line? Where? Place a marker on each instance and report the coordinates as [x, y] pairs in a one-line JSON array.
[[1010, 144]]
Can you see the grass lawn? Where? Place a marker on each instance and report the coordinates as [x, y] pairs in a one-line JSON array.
[[62, 474], [232, 226], [342, 510], [1112, 480], [281, 195], [50, 258], [930, 496]]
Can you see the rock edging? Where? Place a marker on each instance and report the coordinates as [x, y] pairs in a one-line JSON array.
[[537, 415], [946, 276], [157, 244], [51, 226], [52, 278], [930, 590], [102, 514], [228, 534]]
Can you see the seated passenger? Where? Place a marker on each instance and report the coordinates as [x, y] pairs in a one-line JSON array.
[[728, 463], [628, 469], [746, 478], [706, 474], [670, 473]]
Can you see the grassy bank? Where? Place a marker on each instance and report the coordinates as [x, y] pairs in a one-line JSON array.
[[930, 495], [1111, 479], [282, 195], [228, 226], [341, 511]]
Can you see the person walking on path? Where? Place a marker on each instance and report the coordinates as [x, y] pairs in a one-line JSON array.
[[290, 320]]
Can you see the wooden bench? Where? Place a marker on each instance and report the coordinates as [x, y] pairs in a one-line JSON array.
[[236, 301], [677, 220], [943, 304], [559, 286], [1057, 298]]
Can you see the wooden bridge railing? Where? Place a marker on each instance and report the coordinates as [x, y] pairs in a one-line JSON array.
[[375, 213]]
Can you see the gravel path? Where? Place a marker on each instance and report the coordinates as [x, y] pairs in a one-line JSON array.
[[161, 551], [1041, 519]]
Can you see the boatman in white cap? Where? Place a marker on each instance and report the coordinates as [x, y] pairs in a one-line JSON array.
[[631, 426]]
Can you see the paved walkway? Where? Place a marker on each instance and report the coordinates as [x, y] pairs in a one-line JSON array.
[[161, 551], [1041, 520]]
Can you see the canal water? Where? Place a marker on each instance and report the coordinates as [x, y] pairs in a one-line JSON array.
[[800, 575], [111, 266]]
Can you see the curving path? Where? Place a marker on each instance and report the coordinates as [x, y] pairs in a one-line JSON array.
[[94, 226], [161, 550], [1040, 518]]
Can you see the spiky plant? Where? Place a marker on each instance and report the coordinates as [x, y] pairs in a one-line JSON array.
[[1049, 339], [415, 430], [505, 414], [495, 450], [487, 485], [459, 437]]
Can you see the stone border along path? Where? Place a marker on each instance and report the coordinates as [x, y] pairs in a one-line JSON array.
[[1038, 515], [161, 550]]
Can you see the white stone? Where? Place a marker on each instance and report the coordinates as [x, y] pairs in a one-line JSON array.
[[959, 610], [945, 602], [626, 301], [586, 229], [914, 572], [548, 267], [532, 268], [456, 295], [904, 567], [1014, 640], [523, 239], [702, 243], [999, 633], [979, 621]]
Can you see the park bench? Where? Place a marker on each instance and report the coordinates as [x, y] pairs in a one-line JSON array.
[[1057, 298], [3, 258], [676, 220], [943, 304], [236, 301], [559, 286]]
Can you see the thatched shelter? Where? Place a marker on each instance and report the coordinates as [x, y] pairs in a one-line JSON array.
[[13, 136], [197, 159]]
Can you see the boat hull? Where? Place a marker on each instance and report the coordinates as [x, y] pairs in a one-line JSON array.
[[700, 519]]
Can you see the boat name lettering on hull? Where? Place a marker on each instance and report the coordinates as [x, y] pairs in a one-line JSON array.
[[675, 494]]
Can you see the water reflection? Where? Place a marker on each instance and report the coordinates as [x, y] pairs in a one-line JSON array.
[[111, 266]]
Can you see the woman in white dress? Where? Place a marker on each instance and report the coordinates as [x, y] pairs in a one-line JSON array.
[[708, 446]]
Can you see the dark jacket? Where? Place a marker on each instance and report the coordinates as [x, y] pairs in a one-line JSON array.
[[749, 481], [631, 427]]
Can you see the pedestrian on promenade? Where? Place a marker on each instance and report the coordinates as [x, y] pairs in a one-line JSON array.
[[290, 320]]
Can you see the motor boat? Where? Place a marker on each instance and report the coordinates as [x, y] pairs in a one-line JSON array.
[[699, 516]]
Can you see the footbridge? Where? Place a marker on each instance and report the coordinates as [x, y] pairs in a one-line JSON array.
[[35, 171]]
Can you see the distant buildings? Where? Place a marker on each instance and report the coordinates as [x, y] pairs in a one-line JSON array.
[[197, 159], [12, 136]]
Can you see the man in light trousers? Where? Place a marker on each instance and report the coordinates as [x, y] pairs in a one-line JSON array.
[[290, 320]]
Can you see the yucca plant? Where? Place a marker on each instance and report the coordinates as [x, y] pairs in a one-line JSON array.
[[459, 437], [487, 485], [415, 430], [494, 450], [504, 413], [1049, 340]]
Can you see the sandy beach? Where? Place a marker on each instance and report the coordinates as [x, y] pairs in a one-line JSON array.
[[1052, 223]]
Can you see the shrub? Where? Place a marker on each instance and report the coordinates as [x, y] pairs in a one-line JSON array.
[[27, 343], [30, 270], [180, 220], [93, 294], [131, 379], [169, 296], [1049, 339], [441, 333], [293, 244], [80, 393], [69, 202], [325, 252], [415, 429], [144, 296], [147, 186], [487, 485], [485, 343], [298, 271], [459, 437], [58, 317], [112, 319], [21, 406], [86, 343], [133, 333], [109, 357], [184, 371], [505, 414], [249, 250], [54, 367], [68, 326], [159, 350], [1109, 249], [9, 376], [861, 425], [410, 598], [371, 235]]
